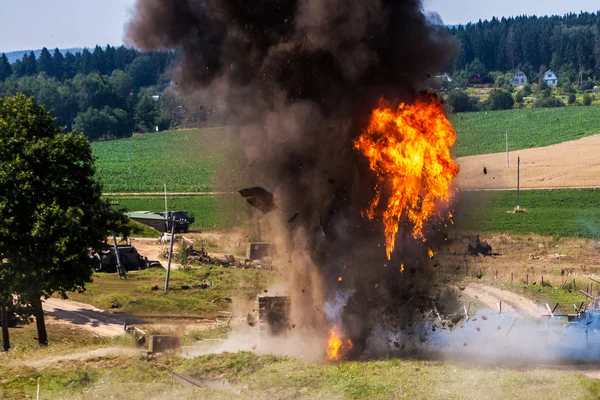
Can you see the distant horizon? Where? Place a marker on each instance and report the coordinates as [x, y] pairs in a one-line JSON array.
[[450, 25], [32, 22]]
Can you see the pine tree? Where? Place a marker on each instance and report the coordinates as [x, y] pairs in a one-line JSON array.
[[58, 63], [45, 64], [5, 68]]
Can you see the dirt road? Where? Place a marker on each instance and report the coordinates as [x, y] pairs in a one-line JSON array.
[[572, 164], [511, 302], [83, 355], [152, 249], [85, 316]]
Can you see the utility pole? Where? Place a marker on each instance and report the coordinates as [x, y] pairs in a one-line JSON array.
[[120, 269], [166, 208], [4, 316], [170, 255], [518, 183], [507, 161]]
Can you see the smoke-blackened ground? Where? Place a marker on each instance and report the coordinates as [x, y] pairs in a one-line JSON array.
[[300, 79]]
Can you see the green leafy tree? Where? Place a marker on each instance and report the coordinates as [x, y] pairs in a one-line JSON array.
[[142, 71], [147, 111], [51, 211], [106, 123], [460, 101], [499, 100]]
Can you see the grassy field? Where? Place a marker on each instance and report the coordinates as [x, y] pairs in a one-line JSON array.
[[484, 132], [188, 160], [557, 213], [210, 211], [141, 294], [268, 376]]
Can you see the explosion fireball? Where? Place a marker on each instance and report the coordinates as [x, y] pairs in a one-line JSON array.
[[335, 344], [409, 150]]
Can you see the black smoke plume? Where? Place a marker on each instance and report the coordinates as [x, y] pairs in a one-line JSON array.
[[300, 78]]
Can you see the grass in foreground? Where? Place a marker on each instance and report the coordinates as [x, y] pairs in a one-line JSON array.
[[187, 160], [141, 294], [210, 211], [62, 338], [282, 377], [557, 213], [484, 132]]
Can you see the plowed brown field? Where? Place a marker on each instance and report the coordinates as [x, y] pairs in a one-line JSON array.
[[573, 164]]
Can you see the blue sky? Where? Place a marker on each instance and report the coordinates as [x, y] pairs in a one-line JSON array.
[[32, 24]]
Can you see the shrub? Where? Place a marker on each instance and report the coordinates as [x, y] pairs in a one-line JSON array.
[[499, 100], [587, 85], [548, 102], [460, 101], [519, 98]]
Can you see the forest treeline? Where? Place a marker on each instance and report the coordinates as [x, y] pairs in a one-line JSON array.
[[106, 93], [110, 92], [569, 45]]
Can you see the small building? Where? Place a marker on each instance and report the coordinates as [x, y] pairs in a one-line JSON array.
[[519, 79], [444, 78], [475, 79], [550, 78]]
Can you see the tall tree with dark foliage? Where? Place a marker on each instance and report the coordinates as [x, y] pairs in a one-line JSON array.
[[51, 212]]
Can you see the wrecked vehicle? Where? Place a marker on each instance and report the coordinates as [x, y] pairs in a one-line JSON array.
[[129, 257]]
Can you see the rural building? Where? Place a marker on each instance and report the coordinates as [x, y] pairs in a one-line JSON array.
[[519, 79], [444, 78], [475, 79], [550, 78]]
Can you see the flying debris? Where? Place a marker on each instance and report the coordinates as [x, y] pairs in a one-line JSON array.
[[259, 198]]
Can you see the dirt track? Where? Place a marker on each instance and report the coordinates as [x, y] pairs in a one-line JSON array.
[[85, 316], [511, 302], [573, 164]]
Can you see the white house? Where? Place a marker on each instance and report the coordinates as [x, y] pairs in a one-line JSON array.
[[519, 79], [444, 78], [550, 78]]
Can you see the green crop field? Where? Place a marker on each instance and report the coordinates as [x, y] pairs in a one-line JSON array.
[[210, 211], [557, 213], [189, 160], [484, 132]]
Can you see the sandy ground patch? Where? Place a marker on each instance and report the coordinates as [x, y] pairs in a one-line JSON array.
[[85, 316], [573, 164], [511, 302]]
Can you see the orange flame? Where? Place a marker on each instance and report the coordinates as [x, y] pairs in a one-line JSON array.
[[409, 150], [336, 344]]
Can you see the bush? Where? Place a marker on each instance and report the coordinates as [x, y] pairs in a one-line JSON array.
[[499, 100], [519, 98], [460, 101], [587, 100], [548, 102], [572, 99], [587, 85]]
